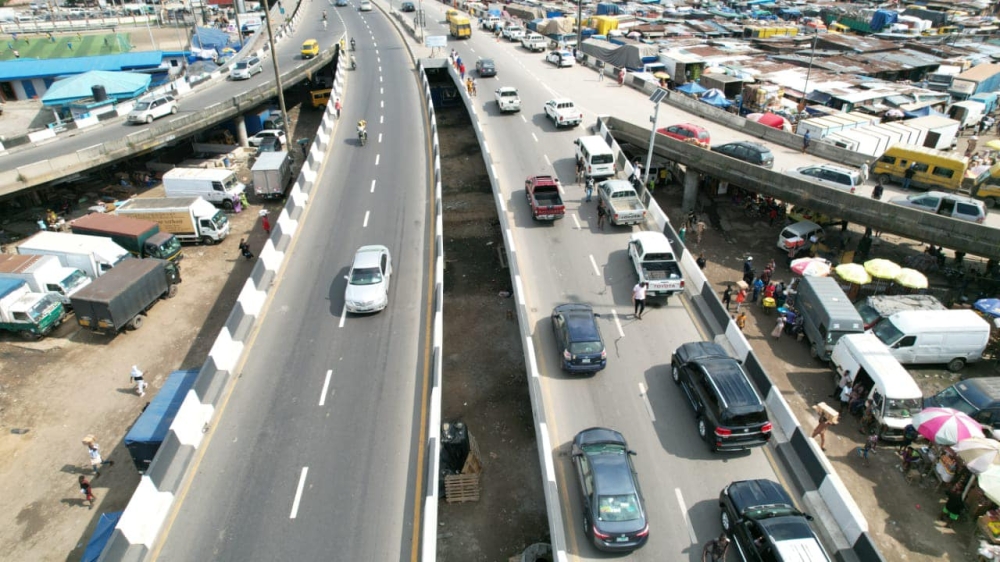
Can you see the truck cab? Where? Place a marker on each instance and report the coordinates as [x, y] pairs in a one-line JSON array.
[[30, 314]]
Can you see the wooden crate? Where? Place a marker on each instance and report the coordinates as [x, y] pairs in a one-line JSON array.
[[459, 488], [473, 462]]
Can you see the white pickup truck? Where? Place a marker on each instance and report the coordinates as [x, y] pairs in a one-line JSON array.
[[654, 263], [622, 202], [534, 42], [507, 99], [563, 112], [513, 32]]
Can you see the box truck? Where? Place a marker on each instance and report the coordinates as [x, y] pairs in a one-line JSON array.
[[121, 297], [44, 274], [30, 314], [271, 174], [190, 219], [217, 186], [94, 255], [143, 440], [941, 131], [140, 237], [827, 314]]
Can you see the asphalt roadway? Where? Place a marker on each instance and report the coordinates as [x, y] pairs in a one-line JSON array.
[[315, 456]]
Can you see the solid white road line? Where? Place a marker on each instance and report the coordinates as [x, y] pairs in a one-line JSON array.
[[326, 387], [576, 221], [618, 323], [560, 188], [343, 316], [365, 225], [684, 512], [373, 187], [593, 262], [377, 158], [645, 400], [534, 137], [298, 492]]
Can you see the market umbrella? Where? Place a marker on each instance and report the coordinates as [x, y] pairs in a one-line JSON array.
[[994, 144], [979, 454], [946, 426], [911, 279], [988, 306], [813, 267], [853, 273], [882, 268], [661, 75], [989, 483]]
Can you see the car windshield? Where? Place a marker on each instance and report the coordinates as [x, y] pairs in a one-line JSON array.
[[75, 279], [585, 347], [902, 408], [703, 135], [623, 507], [170, 247], [37, 311], [366, 276], [950, 398], [142, 106], [886, 332]]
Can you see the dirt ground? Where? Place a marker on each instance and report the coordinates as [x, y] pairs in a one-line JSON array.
[[72, 383], [483, 371], [901, 516]]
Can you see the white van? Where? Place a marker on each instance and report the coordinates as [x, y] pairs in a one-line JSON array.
[[598, 159], [894, 393], [955, 337], [218, 186], [797, 237]]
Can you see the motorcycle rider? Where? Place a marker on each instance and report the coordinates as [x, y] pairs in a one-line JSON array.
[[352, 43], [354, 63], [363, 130]]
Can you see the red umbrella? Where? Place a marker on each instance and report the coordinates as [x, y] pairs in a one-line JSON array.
[[772, 120]]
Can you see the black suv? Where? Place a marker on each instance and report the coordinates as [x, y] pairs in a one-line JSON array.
[[730, 414], [578, 338], [750, 152], [762, 519]]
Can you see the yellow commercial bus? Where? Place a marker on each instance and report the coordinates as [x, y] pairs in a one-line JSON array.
[[932, 169], [460, 27]]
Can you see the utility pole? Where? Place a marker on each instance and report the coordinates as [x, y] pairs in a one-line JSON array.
[[656, 98], [579, 25], [277, 75]]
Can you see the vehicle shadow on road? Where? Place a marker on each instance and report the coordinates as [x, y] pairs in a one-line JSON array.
[[337, 287]]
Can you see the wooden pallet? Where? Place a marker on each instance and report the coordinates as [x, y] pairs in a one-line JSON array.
[[460, 488], [473, 462]]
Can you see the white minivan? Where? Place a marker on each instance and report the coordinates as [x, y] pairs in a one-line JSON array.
[[893, 392], [598, 159], [955, 337]]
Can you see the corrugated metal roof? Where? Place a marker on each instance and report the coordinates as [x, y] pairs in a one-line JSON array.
[[979, 72], [24, 69]]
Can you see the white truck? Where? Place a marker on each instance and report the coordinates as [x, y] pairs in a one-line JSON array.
[[94, 255], [190, 219], [218, 186], [490, 23], [534, 42], [622, 202], [513, 32], [652, 258], [271, 174], [563, 112], [44, 274], [507, 99], [32, 315]]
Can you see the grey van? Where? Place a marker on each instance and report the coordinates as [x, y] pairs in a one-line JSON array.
[[979, 398], [827, 314]]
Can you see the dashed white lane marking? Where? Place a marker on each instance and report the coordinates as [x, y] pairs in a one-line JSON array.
[[645, 400], [376, 158], [381, 104], [380, 79], [523, 119], [298, 492], [380, 138], [381, 119], [365, 225], [547, 161], [684, 512], [373, 187], [593, 263], [534, 137], [343, 316], [380, 69], [381, 91], [577, 222], [326, 387], [618, 323]]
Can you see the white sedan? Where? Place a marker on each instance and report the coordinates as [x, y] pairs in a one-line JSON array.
[[368, 280], [365, 6], [266, 134], [561, 58]]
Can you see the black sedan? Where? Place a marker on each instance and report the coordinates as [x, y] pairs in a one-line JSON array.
[[762, 519], [578, 338], [486, 67], [408, 7], [749, 152], [613, 513]]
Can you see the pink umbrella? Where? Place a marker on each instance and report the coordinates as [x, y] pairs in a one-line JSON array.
[[814, 267], [946, 426]]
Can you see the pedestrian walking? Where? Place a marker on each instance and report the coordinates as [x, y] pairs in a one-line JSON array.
[[601, 214], [820, 431], [741, 320], [639, 299], [845, 397], [637, 172], [699, 231], [474, 91], [805, 141], [468, 86], [877, 190], [971, 147], [86, 490], [758, 287], [138, 377], [266, 223], [579, 170], [779, 327], [589, 190], [908, 175], [748, 265], [243, 200], [600, 76], [336, 107], [715, 550], [727, 296], [741, 297], [692, 219], [245, 250], [621, 77], [461, 69], [96, 462], [682, 233], [701, 261], [864, 171]]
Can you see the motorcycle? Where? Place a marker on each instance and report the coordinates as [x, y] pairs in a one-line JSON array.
[[352, 44], [363, 136]]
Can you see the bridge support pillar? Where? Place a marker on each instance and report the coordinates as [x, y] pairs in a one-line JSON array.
[[691, 180], [241, 131]]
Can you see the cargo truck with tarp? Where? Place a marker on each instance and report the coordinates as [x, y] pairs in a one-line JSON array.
[[122, 296]]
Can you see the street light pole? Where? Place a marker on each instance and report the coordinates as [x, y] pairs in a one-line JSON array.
[[656, 98], [805, 89], [579, 25], [277, 75]]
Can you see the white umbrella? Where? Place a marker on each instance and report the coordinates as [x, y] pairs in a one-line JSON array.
[[979, 453], [989, 483]]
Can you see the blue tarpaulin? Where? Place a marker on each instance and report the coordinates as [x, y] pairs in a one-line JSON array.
[[882, 19], [608, 9], [149, 431], [692, 88], [105, 526], [210, 38], [716, 97]]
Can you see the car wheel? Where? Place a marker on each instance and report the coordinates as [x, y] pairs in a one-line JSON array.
[[675, 373], [702, 428], [587, 527], [135, 323], [227, 204], [955, 365], [726, 523], [173, 110], [207, 240], [990, 202], [884, 178], [149, 119], [814, 351]]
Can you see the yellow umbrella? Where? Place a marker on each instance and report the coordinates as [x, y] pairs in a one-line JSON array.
[[853, 273], [911, 279], [994, 144], [882, 268], [661, 75]]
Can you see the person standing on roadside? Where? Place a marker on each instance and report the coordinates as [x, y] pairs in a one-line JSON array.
[[864, 171], [699, 231], [908, 175], [727, 297], [758, 287], [820, 431], [266, 223], [741, 320], [805, 141], [639, 299], [336, 107], [715, 550], [701, 261], [601, 213], [877, 190], [741, 297], [589, 189]]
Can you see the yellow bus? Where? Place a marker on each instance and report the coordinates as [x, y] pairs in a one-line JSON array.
[[932, 169], [460, 27]]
